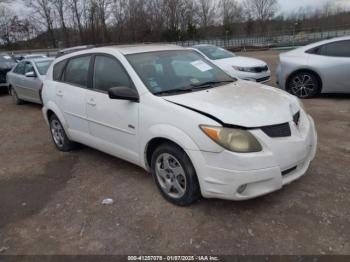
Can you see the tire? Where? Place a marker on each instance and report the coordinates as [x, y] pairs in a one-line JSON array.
[[304, 85], [175, 175], [15, 98], [59, 136]]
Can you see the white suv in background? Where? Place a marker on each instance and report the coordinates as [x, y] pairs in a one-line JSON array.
[[167, 109]]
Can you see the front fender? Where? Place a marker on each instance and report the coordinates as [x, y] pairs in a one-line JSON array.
[[169, 132]]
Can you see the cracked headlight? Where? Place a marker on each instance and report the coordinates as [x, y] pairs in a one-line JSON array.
[[233, 139]]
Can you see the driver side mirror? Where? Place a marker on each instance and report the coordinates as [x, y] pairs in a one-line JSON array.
[[30, 74], [124, 93]]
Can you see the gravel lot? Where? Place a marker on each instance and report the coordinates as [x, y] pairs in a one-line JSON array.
[[50, 202]]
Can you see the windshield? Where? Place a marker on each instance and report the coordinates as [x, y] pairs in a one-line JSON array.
[[167, 71], [215, 53], [6, 58], [43, 66]]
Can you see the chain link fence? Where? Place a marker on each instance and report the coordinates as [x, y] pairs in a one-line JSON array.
[[281, 39]]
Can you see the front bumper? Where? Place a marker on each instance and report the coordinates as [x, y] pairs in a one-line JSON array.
[[262, 77], [283, 160]]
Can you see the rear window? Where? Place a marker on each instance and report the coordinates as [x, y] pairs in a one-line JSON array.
[[58, 69], [77, 71]]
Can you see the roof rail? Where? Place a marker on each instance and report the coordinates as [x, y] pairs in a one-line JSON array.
[[73, 49]]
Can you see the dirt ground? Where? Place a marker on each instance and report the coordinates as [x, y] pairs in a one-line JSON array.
[[50, 202]]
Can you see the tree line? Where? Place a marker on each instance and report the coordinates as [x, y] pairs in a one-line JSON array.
[[65, 23]]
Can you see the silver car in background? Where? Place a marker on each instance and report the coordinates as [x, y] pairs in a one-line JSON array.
[[322, 67], [25, 80]]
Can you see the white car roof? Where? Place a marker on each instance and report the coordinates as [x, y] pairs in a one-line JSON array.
[[124, 49]]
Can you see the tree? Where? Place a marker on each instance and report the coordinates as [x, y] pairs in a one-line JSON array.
[[262, 10], [44, 11], [77, 8], [60, 7], [206, 12], [231, 13]]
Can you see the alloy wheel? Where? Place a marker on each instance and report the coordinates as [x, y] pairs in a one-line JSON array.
[[303, 85], [57, 132], [171, 176]]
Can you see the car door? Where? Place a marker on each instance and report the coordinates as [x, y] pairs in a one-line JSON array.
[[70, 95], [16, 79], [113, 123], [333, 62], [31, 84]]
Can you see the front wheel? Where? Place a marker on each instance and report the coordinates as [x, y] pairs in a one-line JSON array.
[[175, 175], [304, 85]]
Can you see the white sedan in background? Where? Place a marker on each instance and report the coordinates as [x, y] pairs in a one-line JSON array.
[[322, 67], [245, 68]]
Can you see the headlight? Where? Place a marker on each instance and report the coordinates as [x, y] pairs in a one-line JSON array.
[[244, 69], [232, 139]]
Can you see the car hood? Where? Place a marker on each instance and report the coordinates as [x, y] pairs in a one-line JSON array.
[[240, 61], [243, 103]]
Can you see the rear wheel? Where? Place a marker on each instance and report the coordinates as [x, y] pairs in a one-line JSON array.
[[59, 136], [175, 175], [304, 85], [15, 98]]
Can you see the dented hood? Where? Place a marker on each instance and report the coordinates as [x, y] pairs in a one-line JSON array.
[[243, 103]]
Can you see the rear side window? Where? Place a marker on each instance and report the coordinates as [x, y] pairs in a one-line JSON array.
[[58, 70], [336, 49], [77, 71], [20, 68], [339, 49], [109, 73]]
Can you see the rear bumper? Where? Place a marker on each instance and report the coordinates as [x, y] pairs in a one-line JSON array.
[[223, 175]]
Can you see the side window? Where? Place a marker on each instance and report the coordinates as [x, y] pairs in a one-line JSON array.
[[109, 73], [77, 71], [336, 49], [20, 68], [29, 67], [58, 69], [339, 49]]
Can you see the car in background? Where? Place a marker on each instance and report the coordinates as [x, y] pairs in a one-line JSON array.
[[6, 64], [322, 67], [26, 79], [245, 68], [169, 110], [33, 56]]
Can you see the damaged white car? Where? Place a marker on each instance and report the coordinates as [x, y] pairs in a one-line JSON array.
[[199, 131]]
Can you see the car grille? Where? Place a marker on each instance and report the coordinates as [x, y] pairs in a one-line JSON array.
[[282, 130], [263, 79], [260, 69]]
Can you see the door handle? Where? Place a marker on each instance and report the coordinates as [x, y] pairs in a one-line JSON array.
[[91, 102], [59, 93]]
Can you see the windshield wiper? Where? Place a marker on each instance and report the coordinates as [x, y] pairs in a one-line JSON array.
[[193, 87], [209, 84], [173, 91]]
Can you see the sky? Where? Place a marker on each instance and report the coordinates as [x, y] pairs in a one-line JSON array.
[[286, 6]]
